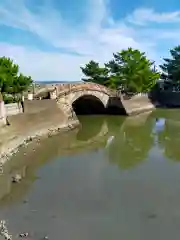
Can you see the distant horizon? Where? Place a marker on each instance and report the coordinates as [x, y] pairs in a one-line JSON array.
[[55, 81]]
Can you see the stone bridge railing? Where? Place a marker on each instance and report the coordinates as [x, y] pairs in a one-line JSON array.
[[63, 89]]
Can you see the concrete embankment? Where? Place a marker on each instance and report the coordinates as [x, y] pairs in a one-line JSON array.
[[137, 105], [40, 119]]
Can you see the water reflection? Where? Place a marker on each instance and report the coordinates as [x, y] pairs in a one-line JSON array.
[[87, 137], [89, 129], [125, 141], [97, 126], [159, 125], [93, 199], [169, 140], [132, 143], [122, 138]]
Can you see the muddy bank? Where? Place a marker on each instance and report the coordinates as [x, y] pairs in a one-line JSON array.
[[32, 125], [30, 158], [12, 146]]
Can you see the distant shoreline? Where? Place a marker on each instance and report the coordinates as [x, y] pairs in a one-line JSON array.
[[55, 82]]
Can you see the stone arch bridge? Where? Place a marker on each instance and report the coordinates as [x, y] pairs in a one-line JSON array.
[[91, 98], [88, 98]]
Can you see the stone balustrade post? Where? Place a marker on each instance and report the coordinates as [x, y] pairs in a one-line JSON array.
[[3, 120]]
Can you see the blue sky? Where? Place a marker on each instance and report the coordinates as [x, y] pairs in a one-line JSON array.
[[51, 39]]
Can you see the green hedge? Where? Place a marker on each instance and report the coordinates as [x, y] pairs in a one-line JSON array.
[[9, 99]]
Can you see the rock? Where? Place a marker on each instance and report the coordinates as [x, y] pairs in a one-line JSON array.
[[4, 231], [24, 234], [8, 237], [16, 178], [46, 237], [152, 215]]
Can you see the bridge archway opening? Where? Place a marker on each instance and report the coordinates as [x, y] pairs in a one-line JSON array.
[[88, 105], [115, 106], [115, 110]]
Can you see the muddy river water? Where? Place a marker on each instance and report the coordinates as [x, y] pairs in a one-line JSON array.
[[113, 178]]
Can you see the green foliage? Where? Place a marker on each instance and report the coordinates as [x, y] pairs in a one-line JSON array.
[[20, 84], [8, 71], [129, 70], [11, 82], [171, 66], [95, 73], [133, 70], [9, 99]]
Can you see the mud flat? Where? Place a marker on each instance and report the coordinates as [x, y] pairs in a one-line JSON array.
[[24, 128]]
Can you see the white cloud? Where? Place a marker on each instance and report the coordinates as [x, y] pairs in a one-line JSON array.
[[91, 39], [44, 66], [142, 16]]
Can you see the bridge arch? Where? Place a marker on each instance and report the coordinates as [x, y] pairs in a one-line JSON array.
[[91, 94], [88, 104], [83, 102], [72, 98]]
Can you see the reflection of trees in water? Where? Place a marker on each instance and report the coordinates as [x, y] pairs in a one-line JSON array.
[[114, 123], [90, 127], [169, 140], [131, 145]]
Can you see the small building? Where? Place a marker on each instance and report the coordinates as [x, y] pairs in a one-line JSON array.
[[30, 96], [46, 94]]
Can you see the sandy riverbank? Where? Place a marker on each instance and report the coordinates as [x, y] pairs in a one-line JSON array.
[[11, 141]]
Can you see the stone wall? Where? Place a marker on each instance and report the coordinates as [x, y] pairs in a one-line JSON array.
[[36, 106], [37, 113], [36, 120], [2, 113], [137, 104], [40, 118], [13, 109]]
